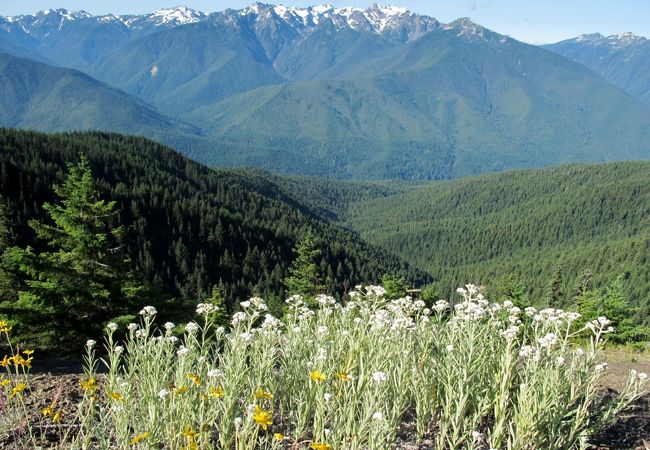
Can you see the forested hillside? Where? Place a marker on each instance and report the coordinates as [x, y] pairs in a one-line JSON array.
[[528, 228], [189, 227]]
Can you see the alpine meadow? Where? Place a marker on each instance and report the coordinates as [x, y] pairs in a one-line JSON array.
[[322, 227]]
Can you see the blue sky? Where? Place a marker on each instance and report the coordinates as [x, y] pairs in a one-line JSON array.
[[535, 21]]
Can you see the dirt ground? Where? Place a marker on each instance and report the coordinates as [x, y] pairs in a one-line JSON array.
[[59, 381]]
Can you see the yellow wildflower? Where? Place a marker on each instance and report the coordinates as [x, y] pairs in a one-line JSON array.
[[189, 433], [320, 446], [195, 379], [18, 360], [216, 392], [317, 376], [261, 393], [181, 390], [4, 381], [344, 376], [278, 436], [17, 389], [88, 385], [116, 396], [6, 361], [139, 438], [47, 412], [56, 418], [4, 327], [28, 352], [262, 417]]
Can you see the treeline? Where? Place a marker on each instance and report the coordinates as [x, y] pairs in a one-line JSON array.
[[187, 228], [526, 228]]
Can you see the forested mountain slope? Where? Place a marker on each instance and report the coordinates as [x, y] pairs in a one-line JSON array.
[[622, 59], [189, 227], [531, 224], [40, 96]]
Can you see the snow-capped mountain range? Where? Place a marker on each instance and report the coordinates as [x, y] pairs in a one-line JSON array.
[[614, 41], [376, 18]]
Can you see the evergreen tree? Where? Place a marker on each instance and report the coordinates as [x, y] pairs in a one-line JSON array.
[[511, 288], [583, 285], [82, 279], [395, 286], [304, 278], [555, 295], [430, 294], [611, 302], [7, 281]]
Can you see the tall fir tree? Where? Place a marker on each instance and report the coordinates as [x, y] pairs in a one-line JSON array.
[[82, 279], [555, 294], [7, 280], [304, 278]]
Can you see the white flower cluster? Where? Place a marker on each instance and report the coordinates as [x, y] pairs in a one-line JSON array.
[[191, 327], [238, 317], [376, 291], [270, 323], [325, 300], [547, 341], [148, 311], [379, 377], [641, 376], [206, 308], [254, 302]]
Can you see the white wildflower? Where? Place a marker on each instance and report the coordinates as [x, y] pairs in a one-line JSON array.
[[112, 326], [214, 373], [238, 317], [206, 308], [191, 327], [379, 377], [377, 416], [148, 311]]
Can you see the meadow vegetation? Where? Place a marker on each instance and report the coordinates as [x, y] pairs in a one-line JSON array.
[[366, 374]]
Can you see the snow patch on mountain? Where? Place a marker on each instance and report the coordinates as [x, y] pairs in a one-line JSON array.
[[616, 41], [180, 15]]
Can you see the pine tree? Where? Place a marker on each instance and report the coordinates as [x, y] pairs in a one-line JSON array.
[[395, 286], [555, 295], [7, 280], [82, 279], [304, 278], [583, 285]]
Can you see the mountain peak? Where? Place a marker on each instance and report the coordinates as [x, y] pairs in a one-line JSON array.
[[179, 15], [614, 40], [466, 27], [376, 18]]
